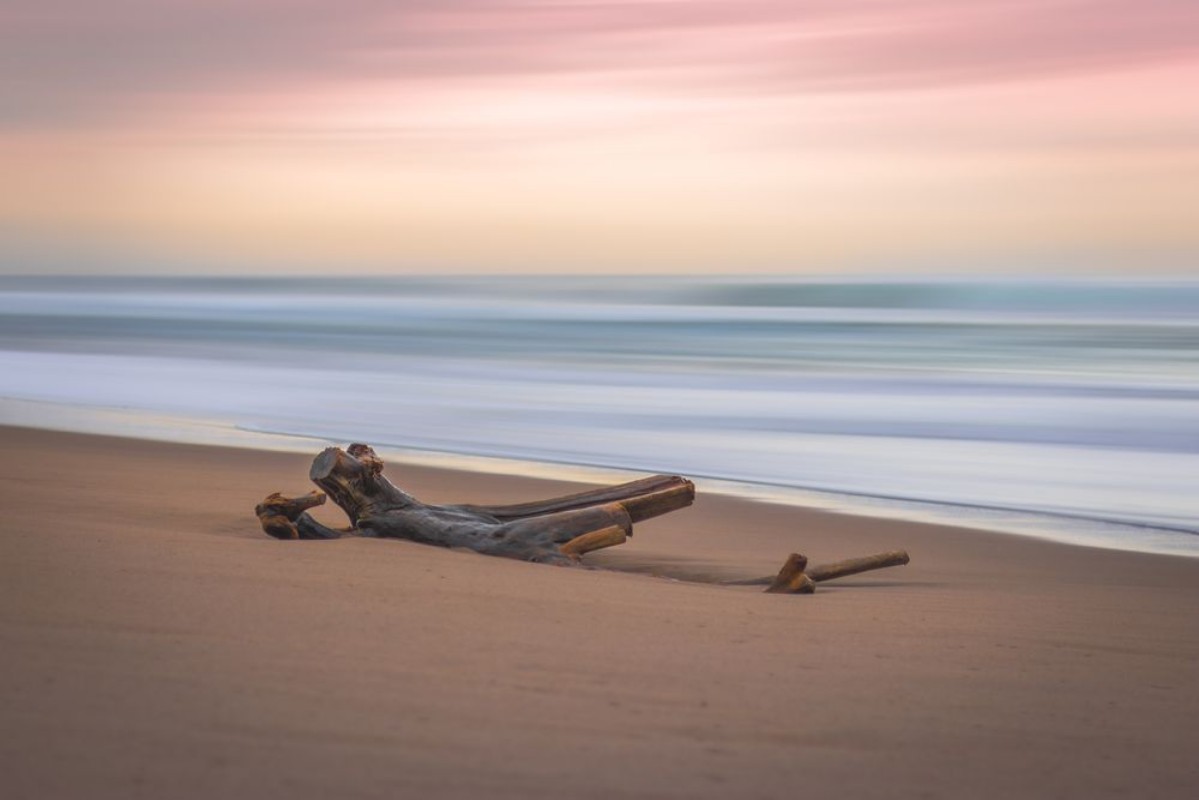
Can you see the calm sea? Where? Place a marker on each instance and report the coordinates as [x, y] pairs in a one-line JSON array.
[[1065, 409]]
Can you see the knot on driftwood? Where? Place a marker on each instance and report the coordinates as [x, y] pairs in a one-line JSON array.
[[367, 455]]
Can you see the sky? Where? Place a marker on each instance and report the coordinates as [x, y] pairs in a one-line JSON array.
[[584, 136]]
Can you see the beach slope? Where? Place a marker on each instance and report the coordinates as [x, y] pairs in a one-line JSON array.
[[156, 644]]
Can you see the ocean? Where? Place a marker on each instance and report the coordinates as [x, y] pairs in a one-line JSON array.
[[1067, 409]]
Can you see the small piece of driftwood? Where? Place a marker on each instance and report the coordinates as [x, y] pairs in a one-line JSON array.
[[559, 530], [796, 577]]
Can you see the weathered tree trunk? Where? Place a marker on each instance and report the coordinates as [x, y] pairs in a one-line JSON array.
[[559, 530]]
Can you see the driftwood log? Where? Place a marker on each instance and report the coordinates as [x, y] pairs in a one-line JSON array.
[[796, 577], [559, 530]]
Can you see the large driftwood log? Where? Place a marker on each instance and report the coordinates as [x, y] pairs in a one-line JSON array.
[[558, 530]]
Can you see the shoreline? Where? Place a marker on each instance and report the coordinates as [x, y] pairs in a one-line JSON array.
[[157, 643], [1071, 529]]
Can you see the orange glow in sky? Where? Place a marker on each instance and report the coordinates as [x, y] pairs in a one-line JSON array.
[[564, 136]]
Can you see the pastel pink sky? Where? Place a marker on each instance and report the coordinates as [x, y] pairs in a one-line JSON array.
[[569, 136]]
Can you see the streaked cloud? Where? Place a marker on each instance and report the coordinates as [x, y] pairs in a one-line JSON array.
[[649, 132], [71, 59]]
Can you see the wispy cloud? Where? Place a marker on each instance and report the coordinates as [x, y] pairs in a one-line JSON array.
[[73, 60], [638, 133]]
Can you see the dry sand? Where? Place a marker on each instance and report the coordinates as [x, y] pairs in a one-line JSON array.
[[156, 644]]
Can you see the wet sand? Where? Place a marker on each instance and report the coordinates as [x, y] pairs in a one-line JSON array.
[[156, 644]]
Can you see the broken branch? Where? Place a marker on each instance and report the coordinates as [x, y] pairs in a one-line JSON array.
[[852, 566], [596, 540]]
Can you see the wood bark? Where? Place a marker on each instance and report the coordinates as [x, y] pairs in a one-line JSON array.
[[558, 530]]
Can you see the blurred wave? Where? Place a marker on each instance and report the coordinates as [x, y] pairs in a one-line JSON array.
[[1069, 399]]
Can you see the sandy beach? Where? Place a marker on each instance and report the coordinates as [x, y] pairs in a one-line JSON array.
[[156, 644]]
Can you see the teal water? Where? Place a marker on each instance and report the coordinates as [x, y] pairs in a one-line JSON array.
[[1068, 403]]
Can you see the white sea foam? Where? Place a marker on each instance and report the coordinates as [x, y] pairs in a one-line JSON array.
[[1066, 410]]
